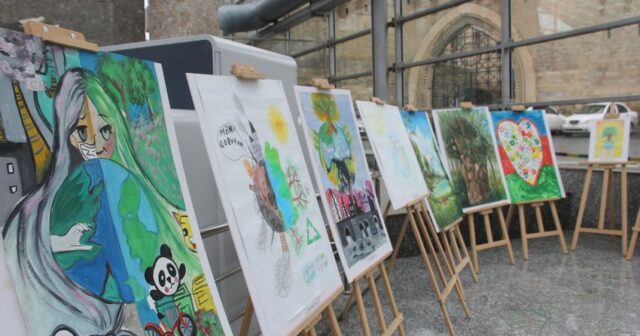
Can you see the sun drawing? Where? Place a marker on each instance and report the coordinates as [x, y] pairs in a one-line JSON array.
[[278, 124]]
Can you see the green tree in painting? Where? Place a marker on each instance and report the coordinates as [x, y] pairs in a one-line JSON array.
[[131, 83], [469, 146], [142, 85]]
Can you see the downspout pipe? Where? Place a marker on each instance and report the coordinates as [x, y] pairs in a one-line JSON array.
[[253, 16]]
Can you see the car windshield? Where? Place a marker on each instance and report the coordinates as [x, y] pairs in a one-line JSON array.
[[591, 109]]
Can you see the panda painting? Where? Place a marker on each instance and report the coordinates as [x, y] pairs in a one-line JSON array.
[[164, 275]]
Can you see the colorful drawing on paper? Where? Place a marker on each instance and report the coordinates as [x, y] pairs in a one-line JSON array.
[[343, 177], [268, 197], [527, 156], [96, 230], [399, 168], [443, 203], [609, 140], [471, 157]]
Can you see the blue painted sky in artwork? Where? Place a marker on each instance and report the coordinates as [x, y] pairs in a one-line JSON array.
[[535, 116]]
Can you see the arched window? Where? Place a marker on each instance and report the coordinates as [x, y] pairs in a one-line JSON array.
[[474, 78]]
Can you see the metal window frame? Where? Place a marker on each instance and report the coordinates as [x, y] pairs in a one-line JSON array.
[[505, 47]]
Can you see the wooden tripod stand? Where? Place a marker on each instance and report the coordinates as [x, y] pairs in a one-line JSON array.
[[541, 231], [607, 194], [491, 243]]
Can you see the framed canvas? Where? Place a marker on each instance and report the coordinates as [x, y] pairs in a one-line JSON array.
[[268, 197], [390, 143], [443, 203], [470, 154], [341, 172], [527, 156], [609, 140], [98, 223]]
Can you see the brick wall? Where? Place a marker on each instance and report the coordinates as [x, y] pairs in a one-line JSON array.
[[182, 18], [104, 22]]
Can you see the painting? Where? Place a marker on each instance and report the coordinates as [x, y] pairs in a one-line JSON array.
[[470, 156], [392, 149], [11, 318], [268, 197], [609, 140], [97, 219], [527, 156], [443, 203], [341, 172]]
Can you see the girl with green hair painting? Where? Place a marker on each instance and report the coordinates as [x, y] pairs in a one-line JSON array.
[[79, 245]]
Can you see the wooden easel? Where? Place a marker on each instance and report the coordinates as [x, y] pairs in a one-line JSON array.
[[536, 205], [424, 232], [607, 193], [491, 243], [525, 236], [486, 212], [306, 327], [450, 238], [58, 35]]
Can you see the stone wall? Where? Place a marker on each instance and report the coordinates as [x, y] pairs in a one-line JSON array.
[[182, 18], [104, 22]]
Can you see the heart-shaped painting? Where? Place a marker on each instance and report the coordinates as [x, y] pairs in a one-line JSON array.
[[521, 142]]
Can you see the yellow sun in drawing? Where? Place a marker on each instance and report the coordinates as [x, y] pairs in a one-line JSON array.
[[278, 124]]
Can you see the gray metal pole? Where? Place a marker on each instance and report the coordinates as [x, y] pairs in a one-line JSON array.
[[379, 44], [506, 52], [399, 36], [332, 47]]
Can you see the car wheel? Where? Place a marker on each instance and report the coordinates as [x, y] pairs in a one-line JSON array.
[[633, 125]]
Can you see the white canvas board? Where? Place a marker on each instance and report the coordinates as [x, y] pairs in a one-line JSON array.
[[340, 169], [266, 191], [609, 140], [395, 156]]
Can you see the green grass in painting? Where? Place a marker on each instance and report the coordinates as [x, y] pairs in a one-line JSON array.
[[548, 186], [445, 210]]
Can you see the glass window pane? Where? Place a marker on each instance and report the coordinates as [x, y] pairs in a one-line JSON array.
[[544, 17], [361, 88], [352, 17], [354, 56], [312, 32], [602, 64], [314, 65]]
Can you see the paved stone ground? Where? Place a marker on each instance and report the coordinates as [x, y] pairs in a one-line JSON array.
[[593, 291]]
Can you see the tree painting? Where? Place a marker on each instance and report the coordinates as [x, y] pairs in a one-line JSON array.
[[470, 153]]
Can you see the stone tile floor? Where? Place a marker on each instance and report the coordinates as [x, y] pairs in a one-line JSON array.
[[593, 291]]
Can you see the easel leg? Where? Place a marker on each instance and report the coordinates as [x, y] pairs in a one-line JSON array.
[[396, 247], [505, 235], [624, 210], [510, 214], [611, 198], [556, 220], [465, 252], [427, 227], [246, 318], [603, 199], [392, 299], [583, 203], [376, 301], [634, 238], [474, 248], [333, 321], [523, 232], [361, 309]]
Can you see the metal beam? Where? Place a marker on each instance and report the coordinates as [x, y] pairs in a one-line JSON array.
[[576, 32], [379, 48], [332, 42], [350, 76], [505, 60], [399, 52], [333, 56], [430, 10]]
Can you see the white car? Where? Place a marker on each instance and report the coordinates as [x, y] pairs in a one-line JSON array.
[[552, 117], [580, 122]]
